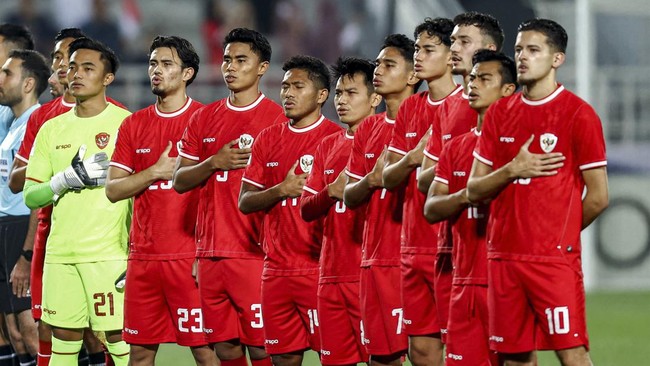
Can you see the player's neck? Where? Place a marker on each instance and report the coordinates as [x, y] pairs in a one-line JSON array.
[[91, 107], [441, 87], [307, 120], [466, 84], [244, 97], [479, 119], [393, 101], [68, 97], [171, 103], [540, 89], [352, 126], [27, 102]]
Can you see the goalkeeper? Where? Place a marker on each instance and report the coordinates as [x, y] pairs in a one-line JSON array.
[[87, 246]]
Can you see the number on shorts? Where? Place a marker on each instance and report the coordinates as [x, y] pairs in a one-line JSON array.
[[222, 177], [100, 302], [294, 202], [399, 313], [473, 213], [313, 320], [558, 320], [184, 317], [257, 313]]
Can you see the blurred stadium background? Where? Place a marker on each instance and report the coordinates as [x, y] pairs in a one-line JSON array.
[[608, 64]]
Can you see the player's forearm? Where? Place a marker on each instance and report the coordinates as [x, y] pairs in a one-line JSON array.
[[315, 206], [396, 173], [438, 208], [484, 188], [189, 177], [17, 177], [37, 195], [31, 230], [426, 175], [592, 206], [253, 201], [356, 193], [122, 188]]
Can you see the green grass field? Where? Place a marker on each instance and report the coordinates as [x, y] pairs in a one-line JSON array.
[[618, 324]]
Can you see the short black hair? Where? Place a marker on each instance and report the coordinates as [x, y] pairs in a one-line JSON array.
[[258, 43], [556, 36], [64, 33], [350, 66], [438, 27], [19, 35], [508, 70], [317, 70], [488, 25], [107, 56], [33, 65], [183, 47], [406, 47]]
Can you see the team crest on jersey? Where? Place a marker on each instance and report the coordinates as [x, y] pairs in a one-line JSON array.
[[101, 139], [548, 141], [245, 141], [306, 162]]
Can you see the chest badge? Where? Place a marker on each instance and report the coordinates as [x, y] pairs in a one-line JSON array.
[[306, 162], [102, 139], [245, 141], [547, 142]]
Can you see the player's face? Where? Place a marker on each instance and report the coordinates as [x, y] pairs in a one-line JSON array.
[[465, 41], [485, 85], [299, 94], [392, 72], [86, 74], [60, 60], [241, 67], [352, 99], [56, 89], [534, 57], [166, 72], [11, 82], [431, 58]]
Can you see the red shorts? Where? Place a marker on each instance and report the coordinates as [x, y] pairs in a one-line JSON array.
[[467, 331], [442, 288], [290, 313], [381, 311], [535, 306], [36, 271], [340, 324], [231, 299], [161, 303], [420, 316]]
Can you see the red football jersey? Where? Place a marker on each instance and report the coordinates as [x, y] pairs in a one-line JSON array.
[[412, 122], [540, 219], [292, 246], [162, 226], [41, 115], [383, 224], [222, 230], [340, 255], [470, 225], [454, 118]]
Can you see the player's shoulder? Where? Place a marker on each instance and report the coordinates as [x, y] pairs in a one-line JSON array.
[[116, 103], [333, 138], [115, 111], [330, 126]]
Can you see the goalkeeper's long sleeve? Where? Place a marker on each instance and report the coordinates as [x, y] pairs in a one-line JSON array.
[[37, 195]]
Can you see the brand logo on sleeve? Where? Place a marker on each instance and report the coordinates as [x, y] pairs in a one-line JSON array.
[[411, 134], [102, 139], [370, 156], [209, 139], [458, 173], [329, 171], [446, 137], [272, 164], [547, 141], [507, 139], [306, 162], [245, 141], [142, 151]]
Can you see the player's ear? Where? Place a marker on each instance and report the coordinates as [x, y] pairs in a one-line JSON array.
[[375, 100], [412, 80], [188, 73], [108, 79], [28, 85], [558, 59], [322, 96], [508, 89], [262, 68]]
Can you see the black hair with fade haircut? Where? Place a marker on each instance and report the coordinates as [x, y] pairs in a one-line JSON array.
[[556, 36], [488, 25], [440, 28], [406, 48], [64, 33], [107, 56], [316, 69], [350, 66], [33, 65], [19, 35], [258, 43], [508, 70], [183, 47]]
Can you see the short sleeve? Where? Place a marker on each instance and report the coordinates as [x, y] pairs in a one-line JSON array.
[[356, 167], [254, 173], [486, 146], [123, 155], [316, 179], [398, 144], [443, 168], [434, 145], [588, 140], [33, 124], [39, 168], [190, 143]]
